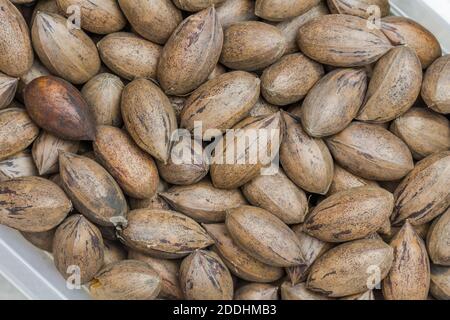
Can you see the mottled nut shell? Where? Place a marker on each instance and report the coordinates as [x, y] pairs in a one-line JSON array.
[[97, 16], [425, 193], [8, 87], [202, 202], [257, 291], [350, 215], [163, 233], [299, 292], [18, 165], [129, 56], [289, 28], [279, 10], [168, 271], [349, 268], [134, 170], [66, 52], [153, 20], [290, 79], [306, 160], [187, 163], [251, 45], [113, 252], [50, 6], [204, 276], [32, 204], [263, 108], [333, 102], [46, 152], [222, 102], [342, 41], [362, 8], [58, 107], [238, 261], [394, 86], [196, 5], [438, 240], [232, 11], [78, 244], [344, 180], [16, 53], [17, 131], [191, 53], [149, 117], [409, 278], [42, 240], [264, 135], [126, 280], [371, 152], [424, 131], [440, 282], [279, 195], [435, 82], [103, 93], [93, 191], [368, 295], [404, 31], [264, 236], [37, 70], [155, 202]]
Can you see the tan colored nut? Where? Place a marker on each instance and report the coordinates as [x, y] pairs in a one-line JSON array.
[[257, 291], [362, 8], [232, 11], [438, 240], [435, 82], [344, 180], [18, 165]]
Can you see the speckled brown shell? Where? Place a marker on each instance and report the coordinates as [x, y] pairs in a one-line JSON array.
[[113, 252], [424, 131], [58, 107], [97, 16], [155, 202], [202, 202], [134, 170], [42, 240], [149, 117], [204, 276], [257, 291], [232, 175], [191, 53], [187, 164], [347, 269], [126, 280], [163, 233], [68, 53], [264, 236], [17, 131], [168, 271], [344, 180], [342, 41], [103, 93], [278, 10], [8, 87], [46, 152], [222, 102], [196, 5], [300, 292], [290, 79], [78, 244], [404, 31], [371, 152], [438, 240], [252, 45], [279, 195], [153, 20], [16, 53], [425, 192], [435, 82], [394, 86], [333, 102], [232, 11], [305, 160], [239, 261], [440, 282], [409, 278], [263, 108], [129, 56], [360, 8], [18, 165], [350, 215], [92, 189], [289, 28]]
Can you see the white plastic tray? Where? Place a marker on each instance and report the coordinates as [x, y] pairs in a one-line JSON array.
[[32, 271]]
